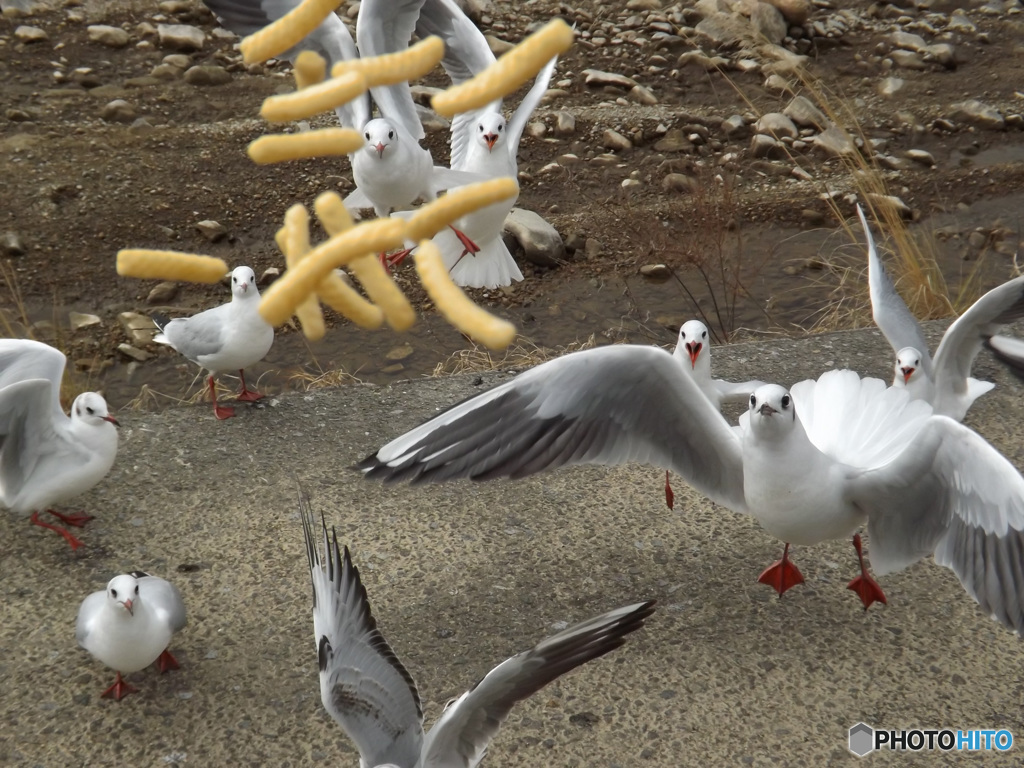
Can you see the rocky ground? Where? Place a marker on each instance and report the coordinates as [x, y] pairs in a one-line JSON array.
[[681, 135]]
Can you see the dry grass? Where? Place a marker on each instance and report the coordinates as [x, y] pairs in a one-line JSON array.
[[522, 353], [306, 380]]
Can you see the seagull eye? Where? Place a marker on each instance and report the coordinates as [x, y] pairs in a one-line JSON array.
[[481, 127], [136, 589], [704, 335], [113, 593], [753, 401], [367, 135], [501, 128], [90, 411], [391, 134], [786, 401]]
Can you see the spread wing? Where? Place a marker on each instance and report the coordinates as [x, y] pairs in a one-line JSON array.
[[517, 123], [30, 438], [460, 737], [22, 359], [609, 405], [892, 316], [952, 494], [363, 685]]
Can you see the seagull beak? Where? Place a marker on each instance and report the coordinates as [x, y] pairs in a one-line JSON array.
[[767, 410], [907, 373], [112, 420], [381, 146], [245, 287], [128, 606], [490, 138], [693, 348]]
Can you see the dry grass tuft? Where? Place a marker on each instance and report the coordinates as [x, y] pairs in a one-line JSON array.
[[522, 353]]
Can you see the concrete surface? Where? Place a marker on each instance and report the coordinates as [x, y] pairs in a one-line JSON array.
[[462, 576]]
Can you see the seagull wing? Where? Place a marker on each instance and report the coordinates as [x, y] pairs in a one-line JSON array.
[[952, 494], [517, 123], [460, 737], [22, 359], [735, 391], [363, 685], [31, 441], [163, 598], [1010, 352], [609, 405], [892, 316]]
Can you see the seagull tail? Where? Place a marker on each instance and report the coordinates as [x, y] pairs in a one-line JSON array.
[[492, 267]]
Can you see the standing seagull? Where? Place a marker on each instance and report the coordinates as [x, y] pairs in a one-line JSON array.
[[46, 457], [230, 337], [367, 690], [128, 626], [944, 382], [810, 465], [693, 351]]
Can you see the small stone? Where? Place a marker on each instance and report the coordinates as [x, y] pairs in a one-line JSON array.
[[184, 37], [907, 41], [778, 84], [597, 77], [735, 127], [163, 293], [179, 60], [763, 145], [540, 242], [890, 86], [921, 156], [11, 244], [536, 129], [958, 22], [30, 34], [776, 124], [630, 184], [893, 203], [20, 115], [768, 22], [270, 274], [656, 272], [836, 141], [795, 12], [118, 111], [802, 111], [593, 248], [112, 37], [497, 45], [680, 183], [908, 60], [565, 123], [701, 59], [81, 320], [643, 5], [165, 72], [980, 114], [213, 231], [207, 74], [673, 141], [615, 141], [140, 329], [642, 95], [393, 368], [944, 53], [397, 354]]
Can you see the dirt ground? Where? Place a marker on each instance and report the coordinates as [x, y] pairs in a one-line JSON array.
[[76, 187]]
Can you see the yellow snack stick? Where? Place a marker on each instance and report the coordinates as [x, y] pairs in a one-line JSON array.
[[391, 68], [296, 228], [314, 99], [457, 308], [508, 73], [378, 284], [281, 299], [310, 69], [345, 300], [287, 31], [433, 217], [170, 265], [295, 146]]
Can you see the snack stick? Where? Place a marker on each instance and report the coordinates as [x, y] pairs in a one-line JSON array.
[[170, 265], [393, 68], [457, 308], [287, 31], [280, 300], [295, 146], [296, 228], [377, 283], [433, 217], [346, 301], [310, 69], [314, 99], [508, 73]]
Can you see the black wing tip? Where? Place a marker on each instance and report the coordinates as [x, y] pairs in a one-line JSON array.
[[139, 574], [161, 320]]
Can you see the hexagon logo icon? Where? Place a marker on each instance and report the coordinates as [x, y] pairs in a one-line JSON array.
[[862, 739]]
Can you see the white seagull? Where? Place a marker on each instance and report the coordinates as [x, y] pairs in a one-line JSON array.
[[812, 464], [945, 382], [371, 695], [47, 458], [230, 337], [128, 626], [693, 351]]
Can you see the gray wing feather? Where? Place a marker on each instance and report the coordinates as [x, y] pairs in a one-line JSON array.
[[199, 335], [891, 314], [517, 123], [28, 433], [164, 599], [735, 391], [460, 737], [363, 685], [88, 611], [952, 494], [22, 359], [609, 405]]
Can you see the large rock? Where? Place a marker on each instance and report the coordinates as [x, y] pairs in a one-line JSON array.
[[980, 114], [112, 37], [184, 37], [776, 124], [802, 111], [768, 22], [794, 11], [835, 141], [540, 241]]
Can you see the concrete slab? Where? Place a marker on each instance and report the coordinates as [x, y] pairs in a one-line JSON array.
[[462, 576]]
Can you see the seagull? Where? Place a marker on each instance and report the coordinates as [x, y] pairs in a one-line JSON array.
[[368, 691], [945, 382], [46, 457], [693, 351], [128, 626], [810, 464], [230, 337], [1009, 351]]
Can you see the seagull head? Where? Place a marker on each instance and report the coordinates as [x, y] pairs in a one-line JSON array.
[[908, 362], [489, 130], [90, 408], [771, 406], [379, 135], [243, 283], [693, 338], [123, 593]]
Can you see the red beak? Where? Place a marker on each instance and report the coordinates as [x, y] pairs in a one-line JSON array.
[[112, 420], [380, 148], [128, 605], [907, 373], [694, 348], [490, 138]]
